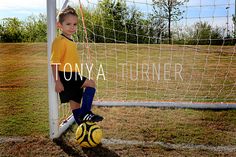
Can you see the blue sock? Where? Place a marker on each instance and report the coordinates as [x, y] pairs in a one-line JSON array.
[[86, 104], [77, 113], [88, 95]]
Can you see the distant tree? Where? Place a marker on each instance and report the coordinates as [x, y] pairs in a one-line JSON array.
[[113, 15], [12, 30], [1, 31], [122, 23], [35, 28], [120, 13], [203, 34], [80, 34], [158, 28], [98, 29], [234, 22], [168, 10], [134, 25]]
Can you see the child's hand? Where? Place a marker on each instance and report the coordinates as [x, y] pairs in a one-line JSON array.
[[59, 86]]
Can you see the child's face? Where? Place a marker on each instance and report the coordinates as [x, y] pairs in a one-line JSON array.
[[69, 25]]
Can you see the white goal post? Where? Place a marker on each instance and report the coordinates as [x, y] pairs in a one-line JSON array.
[[56, 129], [187, 73]]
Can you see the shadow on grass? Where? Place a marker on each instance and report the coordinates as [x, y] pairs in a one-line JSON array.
[[99, 151], [77, 151]]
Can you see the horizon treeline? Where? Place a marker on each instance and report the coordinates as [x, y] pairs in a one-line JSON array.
[[112, 22]]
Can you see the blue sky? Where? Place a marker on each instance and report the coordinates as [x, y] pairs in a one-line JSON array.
[[213, 11], [21, 8]]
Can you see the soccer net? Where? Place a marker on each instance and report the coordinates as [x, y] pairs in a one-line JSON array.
[[150, 52], [140, 52]]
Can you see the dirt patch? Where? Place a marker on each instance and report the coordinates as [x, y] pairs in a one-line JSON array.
[[29, 147], [44, 147]]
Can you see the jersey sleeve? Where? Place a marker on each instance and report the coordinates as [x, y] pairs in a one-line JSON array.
[[57, 53]]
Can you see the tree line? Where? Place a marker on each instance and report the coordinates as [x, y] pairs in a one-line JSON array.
[[115, 22], [34, 29]]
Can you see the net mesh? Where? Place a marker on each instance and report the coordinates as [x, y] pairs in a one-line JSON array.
[[136, 51], [139, 53]]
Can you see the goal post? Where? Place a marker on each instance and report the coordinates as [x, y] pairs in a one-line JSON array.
[[52, 95], [56, 129]]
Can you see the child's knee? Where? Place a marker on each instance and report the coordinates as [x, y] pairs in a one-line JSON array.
[[92, 83], [89, 83]]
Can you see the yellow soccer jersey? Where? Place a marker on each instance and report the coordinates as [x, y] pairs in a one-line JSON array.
[[64, 54]]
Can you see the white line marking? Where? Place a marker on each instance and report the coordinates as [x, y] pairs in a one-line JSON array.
[[230, 148]]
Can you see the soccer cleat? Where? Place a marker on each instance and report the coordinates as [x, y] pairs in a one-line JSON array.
[[91, 117]]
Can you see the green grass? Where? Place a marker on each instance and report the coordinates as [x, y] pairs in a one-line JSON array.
[[170, 126], [23, 112], [208, 72], [24, 98], [24, 104]]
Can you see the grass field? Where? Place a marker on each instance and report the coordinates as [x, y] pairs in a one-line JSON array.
[[208, 72], [24, 105]]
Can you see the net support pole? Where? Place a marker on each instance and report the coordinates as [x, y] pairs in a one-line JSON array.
[[52, 95]]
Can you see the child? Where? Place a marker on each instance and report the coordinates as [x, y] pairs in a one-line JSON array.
[[64, 61]]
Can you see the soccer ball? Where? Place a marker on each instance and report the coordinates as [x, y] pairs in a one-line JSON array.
[[88, 134]]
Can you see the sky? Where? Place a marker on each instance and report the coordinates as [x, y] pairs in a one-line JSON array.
[[213, 11], [21, 8]]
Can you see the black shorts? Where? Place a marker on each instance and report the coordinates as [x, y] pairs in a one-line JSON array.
[[72, 83]]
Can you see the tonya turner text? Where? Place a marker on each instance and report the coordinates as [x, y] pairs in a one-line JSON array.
[[133, 72]]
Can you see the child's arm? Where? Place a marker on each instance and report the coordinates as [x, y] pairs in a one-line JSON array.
[[58, 85]]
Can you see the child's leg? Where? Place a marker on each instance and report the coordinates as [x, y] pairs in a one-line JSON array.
[[76, 110], [87, 101], [84, 113], [88, 94]]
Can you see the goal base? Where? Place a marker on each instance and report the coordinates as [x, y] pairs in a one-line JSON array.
[[190, 105]]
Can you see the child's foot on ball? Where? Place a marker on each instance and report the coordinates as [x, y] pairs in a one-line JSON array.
[[90, 116]]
